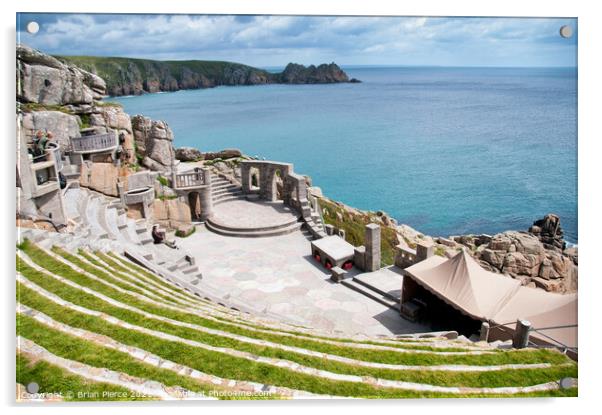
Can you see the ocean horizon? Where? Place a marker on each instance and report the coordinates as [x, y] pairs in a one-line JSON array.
[[446, 150]]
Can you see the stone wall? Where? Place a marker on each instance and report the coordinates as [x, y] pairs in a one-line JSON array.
[[103, 177], [171, 213], [268, 171]]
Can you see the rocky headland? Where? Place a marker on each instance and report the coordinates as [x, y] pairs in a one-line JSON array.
[[127, 76]]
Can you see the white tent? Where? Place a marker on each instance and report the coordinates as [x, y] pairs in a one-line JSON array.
[[483, 295]]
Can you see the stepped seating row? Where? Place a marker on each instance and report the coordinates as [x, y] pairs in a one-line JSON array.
[[101, 223], [218, 350]]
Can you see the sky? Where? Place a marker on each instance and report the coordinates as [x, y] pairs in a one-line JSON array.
[[274, 41]]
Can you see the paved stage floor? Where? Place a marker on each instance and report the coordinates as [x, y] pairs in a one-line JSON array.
[[243, 214], [279, 275]]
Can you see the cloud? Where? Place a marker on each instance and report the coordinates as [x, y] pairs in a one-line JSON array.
[[275, 40]]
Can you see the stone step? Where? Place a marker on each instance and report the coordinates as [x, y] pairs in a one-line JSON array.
[[254, 234], [228, 199], [189, 270], [226, 191], [92, 218], [103, 220], [377, 290], [220, 186], [219, 225], [355, 286]]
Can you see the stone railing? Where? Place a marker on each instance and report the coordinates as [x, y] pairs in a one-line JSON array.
[[190, 179], [146, 197], [405, 257], [55, 149], [139, 181], [94, 143]]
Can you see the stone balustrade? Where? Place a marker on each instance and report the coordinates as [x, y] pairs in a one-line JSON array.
[[405, 257], [139, 181], [146, 197], [190, 179], [53, 151], [94, 143]]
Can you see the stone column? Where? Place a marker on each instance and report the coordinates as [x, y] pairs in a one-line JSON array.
[[521, 334], [206, 203], [245, 173], [359, 256], [372, 244], [424, 250], [484, 334]]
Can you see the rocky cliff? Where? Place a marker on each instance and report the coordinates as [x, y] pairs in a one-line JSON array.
[[538, 258], [64, 99], [126, 76]]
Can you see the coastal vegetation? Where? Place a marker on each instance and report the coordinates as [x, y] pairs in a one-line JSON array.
[[354, 227]]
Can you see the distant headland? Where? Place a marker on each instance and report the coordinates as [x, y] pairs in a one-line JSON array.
[[129, 76]]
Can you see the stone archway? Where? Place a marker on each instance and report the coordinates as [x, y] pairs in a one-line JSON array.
[[194, 202], [255, 179]]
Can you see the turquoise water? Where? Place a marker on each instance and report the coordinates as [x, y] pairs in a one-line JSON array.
[[445, 150]]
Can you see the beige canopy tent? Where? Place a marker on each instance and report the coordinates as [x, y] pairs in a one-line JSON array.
[[483, 295]]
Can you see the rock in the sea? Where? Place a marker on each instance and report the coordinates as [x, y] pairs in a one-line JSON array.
[[188, 154], [322, 74], [549, 232]]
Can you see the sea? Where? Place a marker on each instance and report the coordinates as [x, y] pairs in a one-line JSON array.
[[445, 150]]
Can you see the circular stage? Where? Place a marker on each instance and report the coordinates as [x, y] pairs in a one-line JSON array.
[[253, 219]]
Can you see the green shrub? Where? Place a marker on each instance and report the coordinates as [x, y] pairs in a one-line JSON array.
[[182, 234], [163, 181]]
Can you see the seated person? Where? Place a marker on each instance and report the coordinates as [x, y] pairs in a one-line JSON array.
[[38, 148], [159, 237]]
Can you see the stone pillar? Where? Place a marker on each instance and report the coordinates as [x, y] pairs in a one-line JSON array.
[[424, 250], [484, 334], [329, 229], [372, 244], [521, 334], [269, 184], [245, 173], [207, 176], [206, 203], [359, 256]]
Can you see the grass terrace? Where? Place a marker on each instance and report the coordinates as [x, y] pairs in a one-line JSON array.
[[103, 311]]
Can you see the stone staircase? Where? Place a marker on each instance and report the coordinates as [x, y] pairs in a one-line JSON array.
[[222, 190], [372, 292], [101, 223]]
